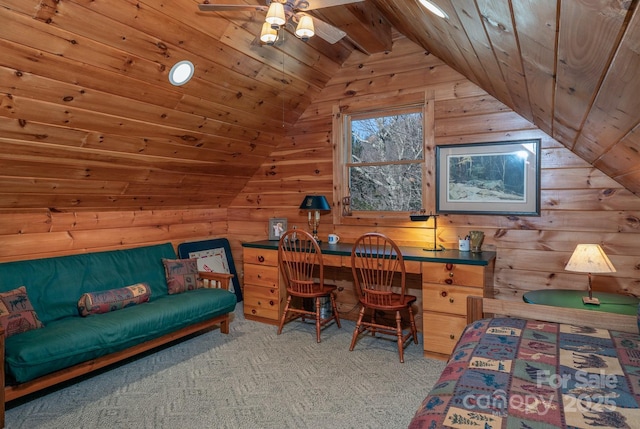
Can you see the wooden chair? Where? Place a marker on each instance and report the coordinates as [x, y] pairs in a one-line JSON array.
[[298, 259], [380, 277]]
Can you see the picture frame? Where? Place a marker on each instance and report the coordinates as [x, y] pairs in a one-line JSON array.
[[277, 227], [498, 178], [213, 255]]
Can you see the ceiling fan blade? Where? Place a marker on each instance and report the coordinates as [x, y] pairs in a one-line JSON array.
[[205, 7], [327, 31], [319, 4]]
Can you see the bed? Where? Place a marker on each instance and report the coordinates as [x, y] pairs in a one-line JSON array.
[[537, 367]]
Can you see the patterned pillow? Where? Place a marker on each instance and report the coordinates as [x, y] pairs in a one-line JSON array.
[[113, 299], [182, 275], [16, 312]]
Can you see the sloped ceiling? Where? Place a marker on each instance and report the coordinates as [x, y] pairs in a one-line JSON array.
[[89, 121]]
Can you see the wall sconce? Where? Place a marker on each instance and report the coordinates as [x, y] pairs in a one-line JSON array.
[[589, 258], [315, 203]]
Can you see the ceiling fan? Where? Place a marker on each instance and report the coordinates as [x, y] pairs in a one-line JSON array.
[[291, 12]]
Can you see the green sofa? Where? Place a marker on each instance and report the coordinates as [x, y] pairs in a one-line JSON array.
[[69, 345]]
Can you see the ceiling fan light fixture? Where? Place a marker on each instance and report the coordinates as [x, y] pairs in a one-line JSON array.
[[435, 9], [305, 29], [275, 15], [268, 34]]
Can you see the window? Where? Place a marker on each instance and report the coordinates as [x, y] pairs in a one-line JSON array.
[[384, 160]]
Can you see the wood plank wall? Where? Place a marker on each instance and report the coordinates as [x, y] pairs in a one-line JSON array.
[[42, 234], [579, 203]]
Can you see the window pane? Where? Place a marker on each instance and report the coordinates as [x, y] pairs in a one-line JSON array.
[[387, 138], [386, 188]]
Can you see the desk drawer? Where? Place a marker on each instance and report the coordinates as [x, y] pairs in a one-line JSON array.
[[453, 274], [441, 332], [259, 275], [262, 297], [260, 256], [447, 299]]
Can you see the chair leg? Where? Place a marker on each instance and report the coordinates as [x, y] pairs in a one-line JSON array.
[[317, 302], [284, 315], [399, 335], [335, 310], [357, 330], [414, 330]]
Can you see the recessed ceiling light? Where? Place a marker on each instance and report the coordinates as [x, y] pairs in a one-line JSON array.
[[436, 10], [181, 72]]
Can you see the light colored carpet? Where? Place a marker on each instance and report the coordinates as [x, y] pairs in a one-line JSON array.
[[251, 378]]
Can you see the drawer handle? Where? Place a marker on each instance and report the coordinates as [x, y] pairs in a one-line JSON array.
[[271, 303], [444, 293], [448, 281], [451, 300], [453, 337], [272, 291], [253, 311], [260, 258], [449, 266], [259, 276]]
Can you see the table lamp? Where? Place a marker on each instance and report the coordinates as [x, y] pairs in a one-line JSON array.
[[315, 203], [589, 258]]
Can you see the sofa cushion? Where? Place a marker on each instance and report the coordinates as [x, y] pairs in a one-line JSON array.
[[182, 275], [113, 299], [62, 280], [16, 312], [73, 340]]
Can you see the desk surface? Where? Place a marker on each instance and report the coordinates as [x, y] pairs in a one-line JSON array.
[[409, 253], [609, 302]]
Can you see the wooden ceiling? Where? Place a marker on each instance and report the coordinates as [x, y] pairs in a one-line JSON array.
[[89, 120]]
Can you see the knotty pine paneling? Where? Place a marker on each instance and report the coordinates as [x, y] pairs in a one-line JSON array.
[[579, 203], [44, 234]]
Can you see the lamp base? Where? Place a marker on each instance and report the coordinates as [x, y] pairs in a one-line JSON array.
[[592, 301]]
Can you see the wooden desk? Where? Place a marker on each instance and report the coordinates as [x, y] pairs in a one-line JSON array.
[[568, 298], [447, 278]]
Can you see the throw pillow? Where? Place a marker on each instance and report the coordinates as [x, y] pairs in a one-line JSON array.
[[182, 275], [16, 312], [113, 299]]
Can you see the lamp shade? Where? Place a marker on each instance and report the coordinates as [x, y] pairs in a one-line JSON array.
[[275, 15], [315, 202], [305, 29], [268, 34], [589, 258]]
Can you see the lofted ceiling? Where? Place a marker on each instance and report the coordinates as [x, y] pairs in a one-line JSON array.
[[89, 121]]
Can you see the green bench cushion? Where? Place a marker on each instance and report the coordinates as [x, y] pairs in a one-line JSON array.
[[72, 340]]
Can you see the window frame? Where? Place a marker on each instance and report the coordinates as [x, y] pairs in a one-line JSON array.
[[342, 152]]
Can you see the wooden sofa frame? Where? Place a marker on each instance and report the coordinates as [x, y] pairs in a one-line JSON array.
[[12, 392], [478, 308]]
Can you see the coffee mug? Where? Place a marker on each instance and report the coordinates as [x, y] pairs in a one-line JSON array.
[[333, 239]]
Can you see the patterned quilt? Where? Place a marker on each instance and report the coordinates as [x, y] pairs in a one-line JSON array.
[[525, 374]]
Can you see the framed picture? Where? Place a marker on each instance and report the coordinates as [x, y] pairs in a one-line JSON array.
[[489, 178], [277, 227], [214, 256]]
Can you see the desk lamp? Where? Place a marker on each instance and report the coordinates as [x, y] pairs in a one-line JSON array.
[[589, 258], [315, 203], [423, 217]]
